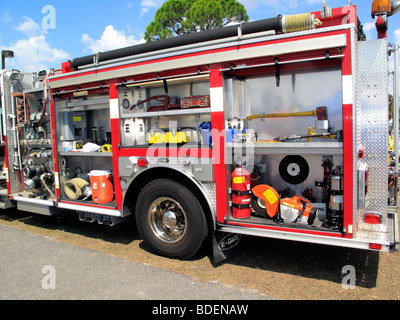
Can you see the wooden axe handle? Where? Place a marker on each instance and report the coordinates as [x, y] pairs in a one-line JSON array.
[[282, 115]]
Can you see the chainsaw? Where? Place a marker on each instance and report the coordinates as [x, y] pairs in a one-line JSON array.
[[293, 210]]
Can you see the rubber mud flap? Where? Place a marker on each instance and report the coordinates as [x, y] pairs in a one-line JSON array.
[[226, 245]]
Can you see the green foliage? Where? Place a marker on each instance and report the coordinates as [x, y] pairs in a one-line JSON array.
[[391, 106], [179, 17]]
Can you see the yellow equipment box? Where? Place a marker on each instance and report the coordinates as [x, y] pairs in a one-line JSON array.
[[168, 137]]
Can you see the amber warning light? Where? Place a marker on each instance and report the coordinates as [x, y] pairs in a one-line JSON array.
[[388, 7], [381, 7]]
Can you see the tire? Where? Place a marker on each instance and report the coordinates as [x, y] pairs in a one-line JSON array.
[[170, 219]]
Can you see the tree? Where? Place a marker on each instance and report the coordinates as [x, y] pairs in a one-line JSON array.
[[179, 17], [391, 106]]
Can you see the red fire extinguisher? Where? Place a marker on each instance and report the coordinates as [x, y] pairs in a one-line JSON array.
[[241, 208]]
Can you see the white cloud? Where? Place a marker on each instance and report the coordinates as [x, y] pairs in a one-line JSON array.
[[109, 40], [397, 36], [276, 6], [253, 4], [370, 30], [150, 4], [6, 18], [29, 27], [34, 54]]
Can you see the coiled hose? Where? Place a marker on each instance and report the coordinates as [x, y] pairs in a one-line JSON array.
[[77, 188], [299, 22], [42, 179]]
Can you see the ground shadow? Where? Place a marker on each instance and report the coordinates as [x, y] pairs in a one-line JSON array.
[[289, 257], [124, 233], [308, 260]]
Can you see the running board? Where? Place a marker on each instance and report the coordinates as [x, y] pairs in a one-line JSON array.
[[91, 209], [303, 237], [87, 213], [2, 205], [5, 202], [39, 206]]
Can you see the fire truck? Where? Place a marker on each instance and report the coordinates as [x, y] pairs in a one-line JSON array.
[[275, 128]]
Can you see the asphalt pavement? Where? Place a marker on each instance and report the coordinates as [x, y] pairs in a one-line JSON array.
[[39, 268]]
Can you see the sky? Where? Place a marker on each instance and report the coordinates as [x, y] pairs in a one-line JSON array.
[[43, 34]]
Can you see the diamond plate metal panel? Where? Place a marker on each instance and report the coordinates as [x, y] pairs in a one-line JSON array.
[[13, 82], [356, 124], [372, 129], [180, 164]]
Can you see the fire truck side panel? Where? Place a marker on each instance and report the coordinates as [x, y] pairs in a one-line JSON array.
[[219, 139], [144, 136], [114, 118], [372, 123], [176, 169], [301, 116], [348, 136]]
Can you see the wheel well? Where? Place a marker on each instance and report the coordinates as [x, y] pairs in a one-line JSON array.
[[151, 174]]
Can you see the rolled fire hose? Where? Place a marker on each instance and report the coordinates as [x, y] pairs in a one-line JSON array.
[[45, 175], [77, 188]]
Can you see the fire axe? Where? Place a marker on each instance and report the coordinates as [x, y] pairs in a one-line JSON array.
[[320, 112]]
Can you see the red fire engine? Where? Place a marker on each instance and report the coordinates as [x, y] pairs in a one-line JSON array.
[[275, 128]]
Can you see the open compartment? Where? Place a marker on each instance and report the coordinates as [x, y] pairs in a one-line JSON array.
[[84, 148], [168, 111], [284, 146]]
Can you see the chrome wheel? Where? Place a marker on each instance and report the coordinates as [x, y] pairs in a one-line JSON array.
[[167, 220], [170, 219]]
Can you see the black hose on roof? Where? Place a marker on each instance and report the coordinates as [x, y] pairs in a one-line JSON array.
[[220, 33]]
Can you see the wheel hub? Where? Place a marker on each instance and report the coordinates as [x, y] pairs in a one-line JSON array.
[[167, 220]]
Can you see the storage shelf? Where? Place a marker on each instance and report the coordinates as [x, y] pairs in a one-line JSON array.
[[111, 205], [85, 154], [289, 148], [83, 105], [177, 112]]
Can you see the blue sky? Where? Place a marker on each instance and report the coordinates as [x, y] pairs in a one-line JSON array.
[[84, 27]]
